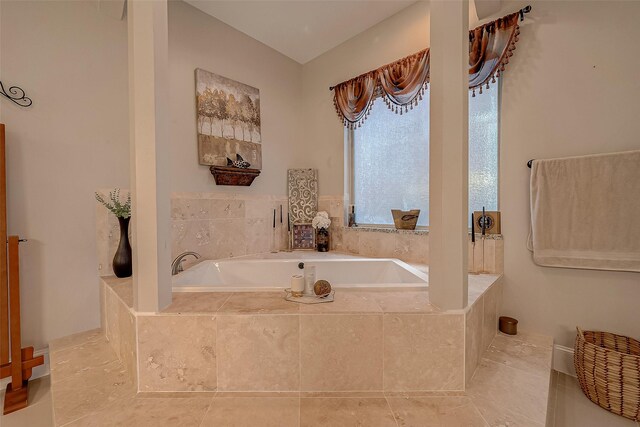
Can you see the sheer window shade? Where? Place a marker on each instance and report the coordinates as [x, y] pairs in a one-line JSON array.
[[391, 160]]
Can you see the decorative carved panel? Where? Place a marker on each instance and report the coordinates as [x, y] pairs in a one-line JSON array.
[[303, 194]]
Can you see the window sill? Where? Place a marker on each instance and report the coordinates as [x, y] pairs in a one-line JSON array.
[[419, 232], [369, 229]]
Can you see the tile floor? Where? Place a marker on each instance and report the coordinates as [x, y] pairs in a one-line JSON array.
[[572, 410], [39, 413]]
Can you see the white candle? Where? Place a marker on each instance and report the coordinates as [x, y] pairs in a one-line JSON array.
[[297, 283]]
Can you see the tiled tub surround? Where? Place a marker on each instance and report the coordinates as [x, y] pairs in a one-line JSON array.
[[222, 225], [406, 245], [370, 340], [216, 225]]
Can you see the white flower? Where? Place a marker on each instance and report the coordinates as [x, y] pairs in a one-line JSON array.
[[321, 220]]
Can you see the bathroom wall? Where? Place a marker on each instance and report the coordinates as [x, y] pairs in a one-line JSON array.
[[197, 40], [71, 59], [572, 88]]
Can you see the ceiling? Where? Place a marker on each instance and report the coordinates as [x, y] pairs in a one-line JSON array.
[[303, 29]]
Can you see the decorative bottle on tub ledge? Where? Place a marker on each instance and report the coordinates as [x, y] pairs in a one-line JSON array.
[[322, 240], [122, 260]]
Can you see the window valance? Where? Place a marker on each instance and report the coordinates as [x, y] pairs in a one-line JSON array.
[[402, 83]]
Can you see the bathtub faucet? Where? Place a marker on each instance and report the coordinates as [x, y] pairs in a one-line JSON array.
[[176, 265]]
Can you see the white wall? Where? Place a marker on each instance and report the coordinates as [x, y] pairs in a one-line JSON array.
[[572, 88], [196, 40], [72, 61]]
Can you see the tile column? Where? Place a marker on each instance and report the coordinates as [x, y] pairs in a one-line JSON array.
[[448, 153], [148, 123]]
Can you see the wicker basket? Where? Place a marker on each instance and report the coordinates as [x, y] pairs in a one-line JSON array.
[[608, 368]]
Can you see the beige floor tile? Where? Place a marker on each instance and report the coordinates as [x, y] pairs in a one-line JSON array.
[[39, 413], [75, 398], [345, 302], [370, 412], [574, 409], [177, 353], [253, 411], [259, 303], [197, 302], [76, 340], [423, 352], [258, 353], [455, 411], [74, 361], [525, 393], [497, 415], [538, 340], [142, 412], [518, 353], [341, 352]]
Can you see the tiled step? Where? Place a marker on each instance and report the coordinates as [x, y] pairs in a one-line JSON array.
[[90, 387]]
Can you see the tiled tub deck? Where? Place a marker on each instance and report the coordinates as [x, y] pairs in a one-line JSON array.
[[368, 345], [366, 340]]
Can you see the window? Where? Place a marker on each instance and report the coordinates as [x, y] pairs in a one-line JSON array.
[[390, 160]]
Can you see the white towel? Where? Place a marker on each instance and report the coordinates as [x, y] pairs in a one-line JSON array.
[[585, 212]]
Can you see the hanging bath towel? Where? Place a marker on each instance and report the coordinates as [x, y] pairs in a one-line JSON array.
[[585, 212]]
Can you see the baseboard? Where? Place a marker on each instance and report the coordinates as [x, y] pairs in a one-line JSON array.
[[38, 371], [563, 360]]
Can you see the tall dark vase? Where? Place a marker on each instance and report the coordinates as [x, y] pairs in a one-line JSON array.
[[122, 260]]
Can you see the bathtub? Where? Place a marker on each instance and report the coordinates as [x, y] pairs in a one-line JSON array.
[[274, 271]]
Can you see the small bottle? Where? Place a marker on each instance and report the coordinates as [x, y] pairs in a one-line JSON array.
[[309, 279], [352, 216]]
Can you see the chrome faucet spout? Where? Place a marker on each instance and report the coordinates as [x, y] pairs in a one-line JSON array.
[[176, 265]]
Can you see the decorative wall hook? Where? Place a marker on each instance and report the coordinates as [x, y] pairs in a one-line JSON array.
[[16, 95]]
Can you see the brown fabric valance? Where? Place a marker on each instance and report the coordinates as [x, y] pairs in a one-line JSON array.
[[402, 83]]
